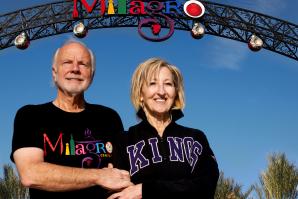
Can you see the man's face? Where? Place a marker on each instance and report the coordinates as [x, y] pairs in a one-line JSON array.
[[72, 71]]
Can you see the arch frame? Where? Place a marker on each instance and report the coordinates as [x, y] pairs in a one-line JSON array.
[[221, 20]]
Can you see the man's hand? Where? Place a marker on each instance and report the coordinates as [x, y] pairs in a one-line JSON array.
[[114, 179]]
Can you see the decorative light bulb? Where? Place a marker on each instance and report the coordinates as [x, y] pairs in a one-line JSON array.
[[80, 30], [255, 43], [198, 31], [22, 41]]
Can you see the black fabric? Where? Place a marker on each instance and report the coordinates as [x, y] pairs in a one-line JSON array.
[[82, 140], [180, 164], [175, 113]]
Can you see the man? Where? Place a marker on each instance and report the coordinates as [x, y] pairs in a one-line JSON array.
[[62, 149]]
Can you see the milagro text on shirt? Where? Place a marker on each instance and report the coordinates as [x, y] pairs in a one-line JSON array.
[[104, 149]]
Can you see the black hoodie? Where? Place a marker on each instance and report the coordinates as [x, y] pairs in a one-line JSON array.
[[180, 164]]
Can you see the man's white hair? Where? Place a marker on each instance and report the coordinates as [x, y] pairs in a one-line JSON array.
[[93, 62]]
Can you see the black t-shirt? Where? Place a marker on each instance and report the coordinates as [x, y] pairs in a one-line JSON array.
[[83, 140]]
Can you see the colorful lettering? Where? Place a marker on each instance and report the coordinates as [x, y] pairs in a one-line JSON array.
[[176, 150], [156, 156], [67, 152], [172, 7], [156, 11], [121, 6], [72, 145], [188, 142], [195, 152], [136, 157], [180, 148], [137, 8], [111, 9], [100, 147], [75, 13], [47, 140], [80, 149]]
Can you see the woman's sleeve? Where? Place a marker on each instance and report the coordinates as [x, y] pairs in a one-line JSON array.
[[119, 155]]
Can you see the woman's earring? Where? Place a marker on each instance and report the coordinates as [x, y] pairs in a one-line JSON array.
[[142, 102]]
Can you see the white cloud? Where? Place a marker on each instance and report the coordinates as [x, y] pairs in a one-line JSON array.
[[230, 54], [226, 53]]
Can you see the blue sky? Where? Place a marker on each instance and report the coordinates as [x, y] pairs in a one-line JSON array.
[[245, 102]]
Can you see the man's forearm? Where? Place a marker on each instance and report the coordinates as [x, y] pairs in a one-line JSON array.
[[35, 173], [51, 177]]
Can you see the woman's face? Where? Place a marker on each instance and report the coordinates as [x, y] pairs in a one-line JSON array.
[[159, 94]]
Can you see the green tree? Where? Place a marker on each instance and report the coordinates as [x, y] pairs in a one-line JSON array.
[[280, 180], [10, 185], [227, 188]]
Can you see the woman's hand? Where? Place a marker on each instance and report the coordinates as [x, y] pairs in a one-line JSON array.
[[131, 192]]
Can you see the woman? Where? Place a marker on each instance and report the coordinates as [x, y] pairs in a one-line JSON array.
[[165, 159]]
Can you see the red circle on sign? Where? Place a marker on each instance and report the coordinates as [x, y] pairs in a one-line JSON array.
[[194, 9]]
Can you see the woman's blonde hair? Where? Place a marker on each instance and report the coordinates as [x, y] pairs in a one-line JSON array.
[[144, 73]]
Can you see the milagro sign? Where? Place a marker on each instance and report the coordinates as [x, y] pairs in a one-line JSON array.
[[153, 9]]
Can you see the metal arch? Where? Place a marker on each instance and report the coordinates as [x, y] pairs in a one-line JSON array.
[[219, 20]]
